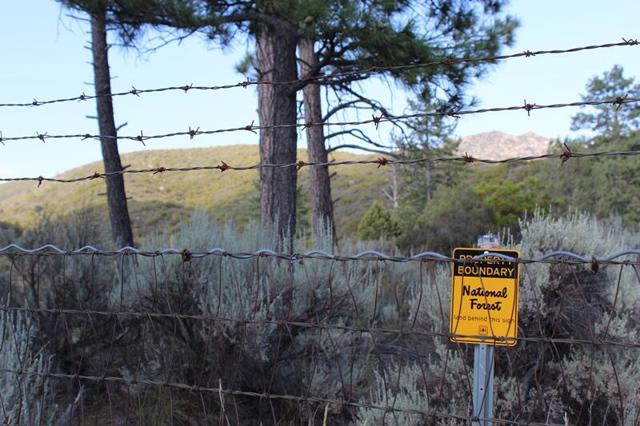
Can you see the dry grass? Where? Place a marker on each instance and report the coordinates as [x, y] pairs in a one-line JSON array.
[[160, 202]]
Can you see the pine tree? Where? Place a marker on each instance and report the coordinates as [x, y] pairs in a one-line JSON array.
[[116, 196], [607, 121], [332, 36], [342, 36]]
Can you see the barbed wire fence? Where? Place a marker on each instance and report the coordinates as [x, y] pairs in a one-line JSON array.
[[186, 88], [238, 336], [375, 120], [223, 166]]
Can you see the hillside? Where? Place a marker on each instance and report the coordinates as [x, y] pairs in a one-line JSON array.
[[498, 145], [163, 200]]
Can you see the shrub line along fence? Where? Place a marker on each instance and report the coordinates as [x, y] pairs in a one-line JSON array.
[[411, 329]]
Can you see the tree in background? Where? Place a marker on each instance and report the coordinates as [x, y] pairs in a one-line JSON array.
[[116, 196], [607, 121], [267, 23], [342, 36], [378, 222], [333, 37]]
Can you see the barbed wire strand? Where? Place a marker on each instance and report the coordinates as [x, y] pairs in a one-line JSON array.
[[380, 161], [554, 257], [327, 78], [376, 120]]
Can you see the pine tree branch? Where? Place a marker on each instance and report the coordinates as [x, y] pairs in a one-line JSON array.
[[363, 148]]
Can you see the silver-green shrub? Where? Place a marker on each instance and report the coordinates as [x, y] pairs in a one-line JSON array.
[[338, 330], [26, 393]]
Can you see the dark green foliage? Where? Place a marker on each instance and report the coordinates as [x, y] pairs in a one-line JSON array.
[[377, 222], [482, 199], [610, 122], [509, 201]]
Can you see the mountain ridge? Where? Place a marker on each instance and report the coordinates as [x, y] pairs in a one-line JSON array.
[[497, 145], [166, 199]]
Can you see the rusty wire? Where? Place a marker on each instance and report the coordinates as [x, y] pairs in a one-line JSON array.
[[376, 120], [326, 78], [265, 395], [380, 161], [141, 315]]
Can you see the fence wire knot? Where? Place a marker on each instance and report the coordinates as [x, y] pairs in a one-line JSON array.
[[95, 175], [382, 161], [35, 102], [528, 54], [468, 158], [566, 154], [193, 133], [160, 170], [140, 138], [82, 97], [453, 112], [40, 180], [300, 164], [631, 41], [187, 87], [528, 107], [186, 255], [249, 127], [41, 136], [619, 101], [222, 166], [134, 91], [377, 120]]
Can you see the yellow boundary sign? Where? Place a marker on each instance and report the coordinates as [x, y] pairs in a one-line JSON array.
[[484, 297]]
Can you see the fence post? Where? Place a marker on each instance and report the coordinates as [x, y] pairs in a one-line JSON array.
[[483, 360]]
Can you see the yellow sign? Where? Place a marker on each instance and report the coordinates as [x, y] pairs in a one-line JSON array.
[[484, 297]]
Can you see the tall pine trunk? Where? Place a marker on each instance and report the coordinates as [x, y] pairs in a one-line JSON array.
[[276, 61], [322, 219], [116, 196]]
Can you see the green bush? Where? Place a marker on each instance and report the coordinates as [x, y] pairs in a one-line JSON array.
[[377, 223]]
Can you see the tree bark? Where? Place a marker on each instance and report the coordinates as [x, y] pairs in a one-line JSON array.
[[320, 183], [116, 196], [276, 61]]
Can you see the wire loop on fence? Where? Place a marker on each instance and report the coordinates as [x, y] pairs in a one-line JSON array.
[[554, 257]]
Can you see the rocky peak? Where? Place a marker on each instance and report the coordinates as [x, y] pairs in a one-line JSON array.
[[497, 145]]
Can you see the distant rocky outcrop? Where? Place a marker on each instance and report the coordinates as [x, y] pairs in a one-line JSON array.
[[498, 145]]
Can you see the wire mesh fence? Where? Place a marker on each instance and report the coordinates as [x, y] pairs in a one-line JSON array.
[[174, 337]]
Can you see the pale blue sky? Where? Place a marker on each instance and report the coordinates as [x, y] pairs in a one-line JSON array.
[[42, 55]]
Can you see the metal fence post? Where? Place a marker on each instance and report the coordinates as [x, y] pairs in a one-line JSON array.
[[483, 365]]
